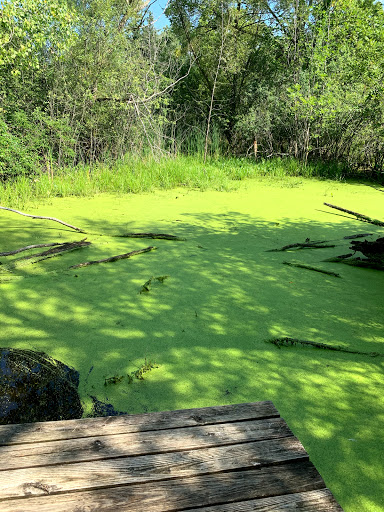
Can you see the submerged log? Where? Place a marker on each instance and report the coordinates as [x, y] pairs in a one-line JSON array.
[[360, 216], [303, 245], [29, 247], [159, 236], [114, 258], [35, 258], [287, 342], [309, 267]]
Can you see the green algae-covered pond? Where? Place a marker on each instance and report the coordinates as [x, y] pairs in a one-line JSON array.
[[203, 329]]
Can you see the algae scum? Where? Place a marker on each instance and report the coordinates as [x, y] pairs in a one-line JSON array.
[[185, 325]]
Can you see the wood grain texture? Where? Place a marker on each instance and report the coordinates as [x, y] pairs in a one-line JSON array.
[[235, 458], [311, 501], [140, 443], [89, 427], [127, 470], [190, 492]]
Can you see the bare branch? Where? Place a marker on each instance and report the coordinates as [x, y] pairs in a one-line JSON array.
[[45, 218]]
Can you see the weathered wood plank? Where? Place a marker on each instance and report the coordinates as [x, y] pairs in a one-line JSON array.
[[167, 495], [312, 501], [140, 443], [128, 470], [89, 427]]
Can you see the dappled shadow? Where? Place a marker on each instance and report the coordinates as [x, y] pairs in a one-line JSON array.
[[207, 324]]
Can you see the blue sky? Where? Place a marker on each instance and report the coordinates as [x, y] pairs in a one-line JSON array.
[[159, 6], [157, 9]]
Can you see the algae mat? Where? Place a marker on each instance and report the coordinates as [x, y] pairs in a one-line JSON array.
[[201, 332]]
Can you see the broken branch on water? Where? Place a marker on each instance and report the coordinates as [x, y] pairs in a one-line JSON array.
[[308, 267], [160, 236], [44, 218], [114, 258], [28, 247], [360, 216], [35, 258], [303, 245], [286, 342]]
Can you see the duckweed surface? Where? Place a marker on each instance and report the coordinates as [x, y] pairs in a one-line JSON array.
[[200, 333]]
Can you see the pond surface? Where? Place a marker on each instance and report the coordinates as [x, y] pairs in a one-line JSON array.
[[200, 333]]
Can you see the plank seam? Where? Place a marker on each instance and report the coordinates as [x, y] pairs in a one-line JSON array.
[[64, 463], [269, 417], [168, 479]]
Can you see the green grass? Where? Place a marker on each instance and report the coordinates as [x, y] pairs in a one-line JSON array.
[[144, 174]]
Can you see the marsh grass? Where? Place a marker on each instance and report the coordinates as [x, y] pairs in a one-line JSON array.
[[146, 173]]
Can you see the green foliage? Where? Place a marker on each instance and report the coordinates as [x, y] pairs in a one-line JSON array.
[[87, 83]]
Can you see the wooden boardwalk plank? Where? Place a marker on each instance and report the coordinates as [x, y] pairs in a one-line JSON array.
[[190, 492], [89, 427], [312, 501], [101, 447], [128, 470], [235, 458]]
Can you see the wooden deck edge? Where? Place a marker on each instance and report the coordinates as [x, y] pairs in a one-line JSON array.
[[89, 427]]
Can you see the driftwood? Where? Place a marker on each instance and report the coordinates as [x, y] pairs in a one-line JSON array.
[[28, 247], [114, 258], [303, 245], [35, 258], [159, 236], [374, 252], [286, 342], [360, 216], [362, 235], [44, 218], [308, 267]]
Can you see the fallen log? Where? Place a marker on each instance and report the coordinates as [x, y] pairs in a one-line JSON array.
[[159, 236], [309, 267], [28, 247], [303, 245], [286, 342], [35, 258], [361, 235], [114, 258], [44, 218], [360, 216]]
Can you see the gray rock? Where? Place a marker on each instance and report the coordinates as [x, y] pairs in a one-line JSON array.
[[36, 387]]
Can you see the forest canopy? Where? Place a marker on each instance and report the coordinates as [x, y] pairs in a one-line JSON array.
[[92, 81]]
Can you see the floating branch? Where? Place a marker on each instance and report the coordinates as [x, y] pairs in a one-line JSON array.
[[147, 285], [28, 247], [44, 218], [362, 235], [360, 216], [358, 262], [308, 267], [160, 236], [303, 245], [337, 259], [287, 342], [34, 258], [114, 258]]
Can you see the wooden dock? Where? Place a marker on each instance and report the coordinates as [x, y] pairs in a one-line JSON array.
[[232, 458]]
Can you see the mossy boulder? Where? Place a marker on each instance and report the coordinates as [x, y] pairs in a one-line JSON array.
[[36, 387]]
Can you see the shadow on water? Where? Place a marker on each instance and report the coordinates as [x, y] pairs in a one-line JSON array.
[[206, 328]]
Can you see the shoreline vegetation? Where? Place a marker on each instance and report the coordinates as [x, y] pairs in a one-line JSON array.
[[138, 174]]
